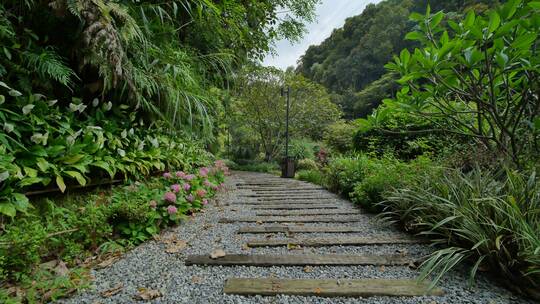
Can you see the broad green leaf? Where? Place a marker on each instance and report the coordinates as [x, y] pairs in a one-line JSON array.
[[27, 109], [524, 41], [78, 176], [20, 202], [436, 19], [414, 36], [7, 209], [30, 171], [27, 181], [60, 183], [73, 159], [494, 21], [469, 20], [4, 175], [534, 4]]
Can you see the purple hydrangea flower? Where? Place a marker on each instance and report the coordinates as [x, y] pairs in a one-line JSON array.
[[201, 192], [169, 197], [205, 202], [167, 175], [203, 172], [189, 177], [180, 174], [171, 209], [175, 188], [190, 198], [206, 183], [186, 186]]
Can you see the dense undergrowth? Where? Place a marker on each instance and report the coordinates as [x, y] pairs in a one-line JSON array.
[[59, 239]]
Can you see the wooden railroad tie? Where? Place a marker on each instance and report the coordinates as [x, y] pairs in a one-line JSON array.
[[320, 242], [300, 229], [293, 219]]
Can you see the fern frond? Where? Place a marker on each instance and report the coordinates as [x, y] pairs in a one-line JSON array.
[[48, 63]]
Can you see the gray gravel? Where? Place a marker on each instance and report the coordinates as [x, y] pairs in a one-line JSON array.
[[149, 266]]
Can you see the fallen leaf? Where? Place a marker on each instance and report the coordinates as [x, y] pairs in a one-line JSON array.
[[318, 290], [291, 246], [308, 269], [112, 291], [246, 247], [61, 269], [176, 246], [148, 294], [382, 268], [218, 253], [259, 222], [108, 262], [196, 279]]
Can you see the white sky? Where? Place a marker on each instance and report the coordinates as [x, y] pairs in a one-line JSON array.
[[331, 14]]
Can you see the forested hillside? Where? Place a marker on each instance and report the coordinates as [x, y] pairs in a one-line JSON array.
[[353, 57]]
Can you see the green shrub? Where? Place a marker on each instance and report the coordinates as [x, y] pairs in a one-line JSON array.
[[307, 164], [486, 217], [312, 176], [339, 136], [263, 167], [385, 174], [342, 174], [303, 149]]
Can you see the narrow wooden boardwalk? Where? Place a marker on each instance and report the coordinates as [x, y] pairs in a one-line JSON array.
[[280, 207]]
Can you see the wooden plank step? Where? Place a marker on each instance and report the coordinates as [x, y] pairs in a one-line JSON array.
[[284, 202], [303, 195], [306, 212], [301, 219], [299, 260], [273, 190], [300, 229], [329, 287], [293, 206], [320, 242], [295, 198]]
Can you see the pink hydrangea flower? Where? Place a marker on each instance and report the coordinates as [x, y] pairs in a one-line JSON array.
[[169, 197], [190, 198], [206, 183], [203, 172], [153, 204], [167, 175], [186, 186], [189, 177], [215, 188], [201, 192], [180, 174], [175, 188], [171, 209], [205, 202]]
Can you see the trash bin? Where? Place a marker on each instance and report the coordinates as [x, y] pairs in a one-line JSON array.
[[287, 168]]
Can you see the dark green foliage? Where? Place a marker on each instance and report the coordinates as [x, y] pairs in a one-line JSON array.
[[476, 77], [339, 136], [313, 176], [256, 166], [354, 56], [403, 135]]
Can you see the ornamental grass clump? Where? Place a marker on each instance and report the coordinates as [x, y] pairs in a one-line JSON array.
[[490, 219]]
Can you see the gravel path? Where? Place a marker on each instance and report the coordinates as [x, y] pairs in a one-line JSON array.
[[149, 266]]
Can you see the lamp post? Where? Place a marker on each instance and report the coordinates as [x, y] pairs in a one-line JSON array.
[[288, 166]]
